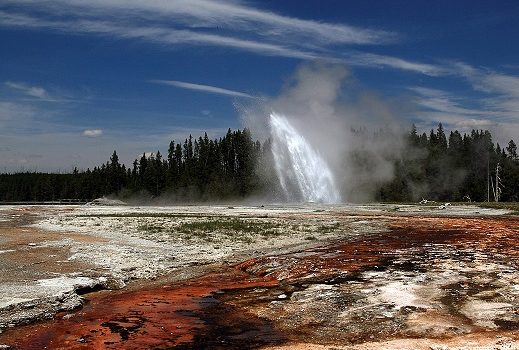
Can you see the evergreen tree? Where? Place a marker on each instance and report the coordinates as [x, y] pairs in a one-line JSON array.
[[235, 166], [512, 150]]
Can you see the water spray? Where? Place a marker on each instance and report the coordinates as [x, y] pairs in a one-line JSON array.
[[303, 174]]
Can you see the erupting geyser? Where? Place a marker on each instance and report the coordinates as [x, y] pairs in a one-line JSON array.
[[303, 173]]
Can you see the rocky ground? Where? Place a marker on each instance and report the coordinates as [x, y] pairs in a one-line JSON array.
[[276, 277]]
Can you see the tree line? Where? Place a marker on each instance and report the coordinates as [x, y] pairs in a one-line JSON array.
[[468, 167], [432, 166], [197, 169]]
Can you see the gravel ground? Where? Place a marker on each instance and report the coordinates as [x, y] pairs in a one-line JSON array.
[[50, 256]]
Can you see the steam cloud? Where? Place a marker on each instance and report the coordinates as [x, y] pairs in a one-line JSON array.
[[339, 119]]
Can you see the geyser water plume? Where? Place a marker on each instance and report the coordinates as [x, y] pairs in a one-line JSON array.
[[302, 172]]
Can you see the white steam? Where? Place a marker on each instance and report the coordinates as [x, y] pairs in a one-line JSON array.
[[354, 132]]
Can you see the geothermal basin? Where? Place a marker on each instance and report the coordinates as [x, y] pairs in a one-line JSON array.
[[259, 277]]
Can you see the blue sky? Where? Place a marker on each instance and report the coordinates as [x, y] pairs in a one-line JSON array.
[[79, 79]]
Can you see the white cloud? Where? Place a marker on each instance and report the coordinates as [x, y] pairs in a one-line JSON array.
[[203, 88], [227, 24], [10, 110], [443, 101], [155, 33], [501, 91], [37, 93], [92, 132], [16, 116], [228, 15], [33, 91], [373, 60], [494, 107], [475, 123]]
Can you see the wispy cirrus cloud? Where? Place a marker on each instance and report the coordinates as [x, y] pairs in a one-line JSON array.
[[11, 112], [445, 102], [219, 14], [226, 24], [500, 91], [202, 88], [33, 91], [383, 61], [219, 23], [493, 103], [154, 33], [29, 92], [442, 106]]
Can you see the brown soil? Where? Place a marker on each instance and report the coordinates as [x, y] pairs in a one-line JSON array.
[[28, 255]]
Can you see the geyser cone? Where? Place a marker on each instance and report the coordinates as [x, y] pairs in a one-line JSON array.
[[303, 174]]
